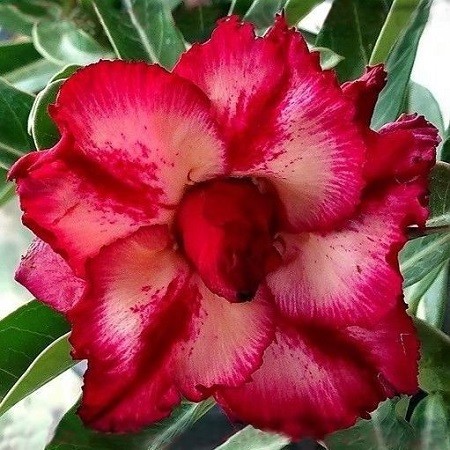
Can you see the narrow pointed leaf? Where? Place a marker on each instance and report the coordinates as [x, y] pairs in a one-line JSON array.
[[351, 30], [24, 334], [399, 66], [53, 361]]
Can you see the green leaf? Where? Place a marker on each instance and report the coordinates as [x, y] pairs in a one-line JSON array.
[[433, 303], [434, 369], [16, 54], [422, 101], [431, 419], [34, 76], [445, 150], [397, 19], [196, 24], [121, 33], [63, 43], [296, 10], [439, 195], [54, 360], [162, 41], [399, 66], [24, 334], [44, 131], [386, 430], [250, 438], [15, 106], [18, 17], [6, 187], [328, 59], [420, 256], [351, 30], [262, 12], [72, 435]]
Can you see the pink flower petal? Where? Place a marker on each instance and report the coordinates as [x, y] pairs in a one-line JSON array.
[[349, 276], [392, 346], [48, 277], [238, 72], [225, 342], [402, 150], [149, 128], [126, 325], [306, 144], [364, 92], [311, 382], [76, 209]]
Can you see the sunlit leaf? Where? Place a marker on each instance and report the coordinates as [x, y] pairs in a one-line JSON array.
[[72, 435], [351, 30], [63, 43], [386, 430], [439, 195], [399, 66], [34, 76], [24, 334], [296, 10], [250, 438], [53, 361]]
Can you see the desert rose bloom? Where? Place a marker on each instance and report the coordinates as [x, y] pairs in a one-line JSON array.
[[230, 229]]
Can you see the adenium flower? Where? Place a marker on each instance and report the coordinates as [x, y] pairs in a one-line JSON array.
[[230, 229]]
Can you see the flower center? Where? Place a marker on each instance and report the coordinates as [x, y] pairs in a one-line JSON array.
[[226, 229]]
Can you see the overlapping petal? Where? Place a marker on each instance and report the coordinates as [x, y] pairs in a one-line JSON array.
[[349, 276], [225, 341], [299, 135], [48, 277], [126, 325], [143, 125], [311, 382]]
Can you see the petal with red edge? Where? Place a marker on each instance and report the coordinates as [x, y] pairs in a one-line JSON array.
[[392, 346], [310, 383], [225, 342], [306, 143], [142, 124], [75, 208], [126, 325], [364, 92], [350, 276], [402, 150], [48, 277], [237, 71]]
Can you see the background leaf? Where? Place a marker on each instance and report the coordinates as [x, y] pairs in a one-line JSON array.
[[72, 435], [15, 105], [431, 418], [351, 30], [24, 334], [250, 438], [53, 361], [296, 10], [386, 430], [154, 24], [399, 65], [63, 43], [396, 21], [434, 369]]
